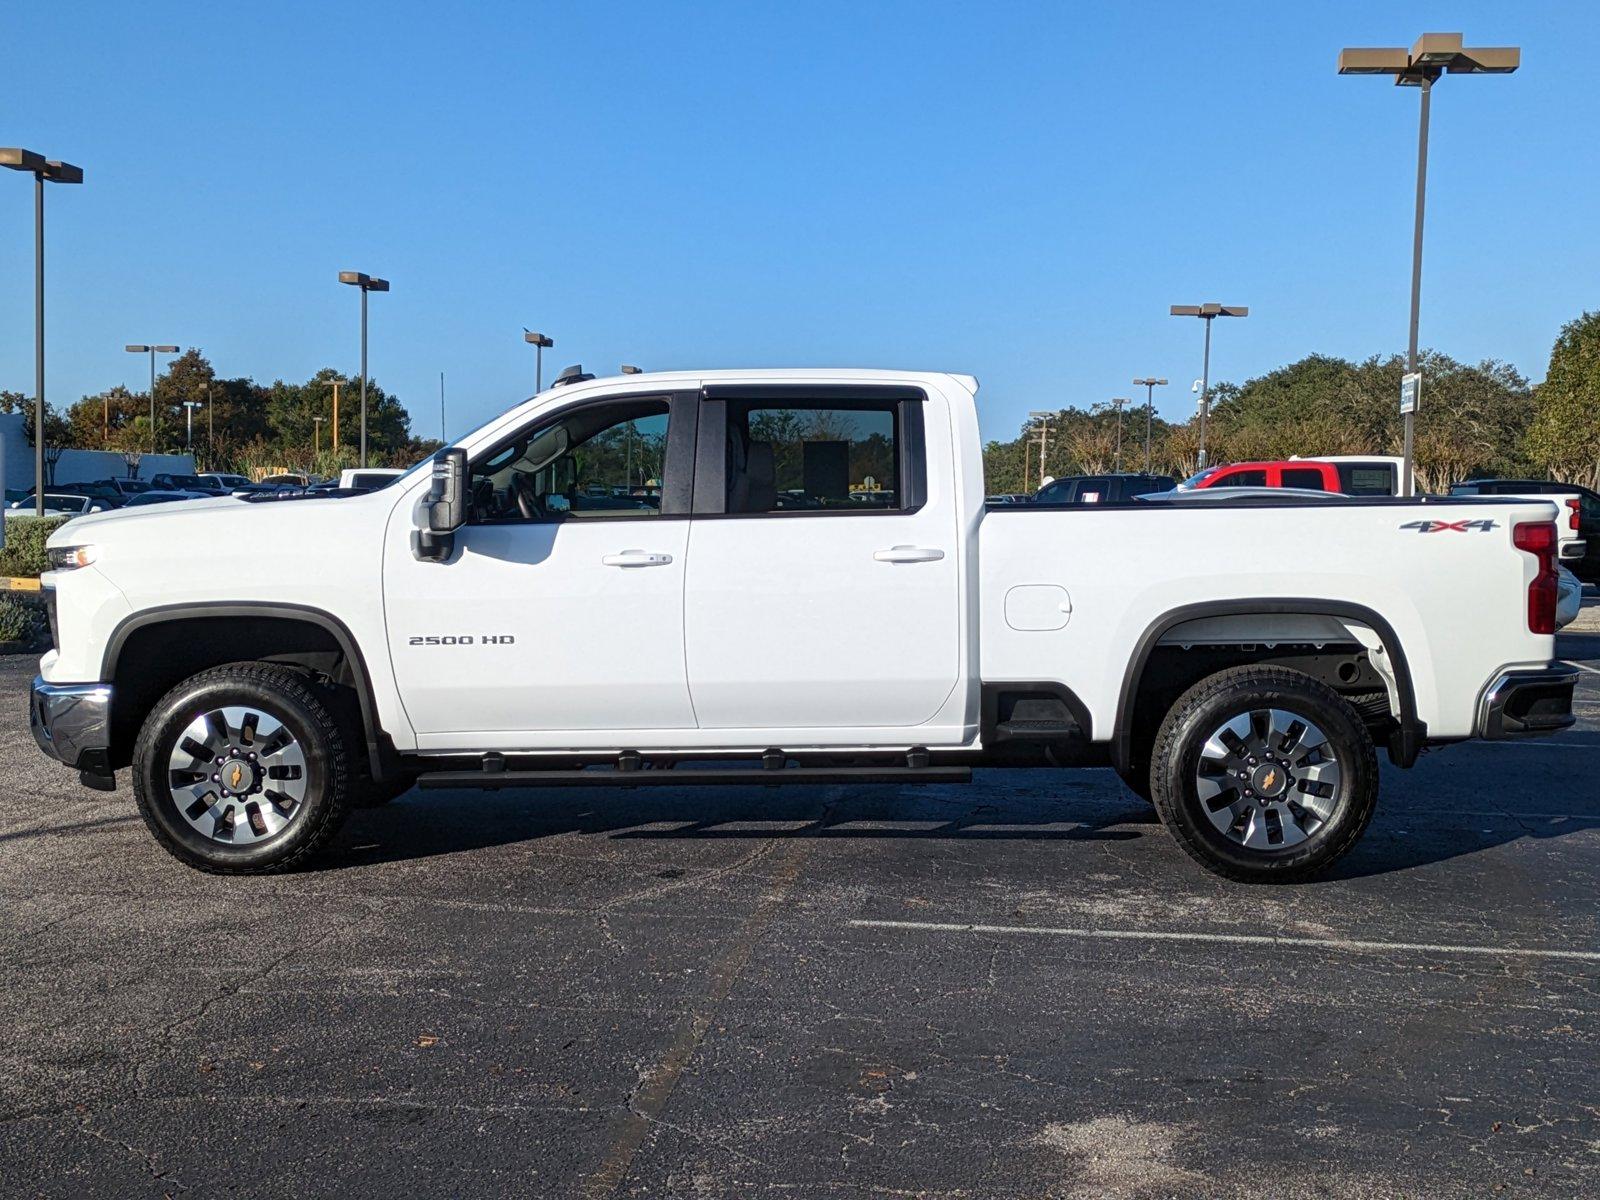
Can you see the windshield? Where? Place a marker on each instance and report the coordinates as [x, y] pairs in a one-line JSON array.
[[1197, 479]]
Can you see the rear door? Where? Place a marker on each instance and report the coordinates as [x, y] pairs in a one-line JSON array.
[[823, 587]]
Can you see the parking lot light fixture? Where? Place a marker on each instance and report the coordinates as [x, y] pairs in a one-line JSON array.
[[1119, 403], [44, 170], [189, 407], [316, 436], [1207, 313], [1433, 55], [367, 283], [1044, 433], [152, 351], [1149, 385], [540, 344]]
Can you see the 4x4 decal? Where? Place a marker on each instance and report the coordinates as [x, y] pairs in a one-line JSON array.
[[1481, 526]]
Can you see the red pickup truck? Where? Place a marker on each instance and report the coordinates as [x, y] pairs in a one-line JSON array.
[[1353, 476]]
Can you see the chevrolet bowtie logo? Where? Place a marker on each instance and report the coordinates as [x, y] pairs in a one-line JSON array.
[[236, 776], [1268, 781]]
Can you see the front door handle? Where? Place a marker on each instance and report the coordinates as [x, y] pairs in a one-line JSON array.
[[636, 558], [908, 554]]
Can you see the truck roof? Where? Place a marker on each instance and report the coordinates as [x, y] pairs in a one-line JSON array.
[[783, 375]]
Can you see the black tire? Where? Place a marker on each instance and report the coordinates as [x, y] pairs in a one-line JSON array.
[[304, 709], [1177, 762]]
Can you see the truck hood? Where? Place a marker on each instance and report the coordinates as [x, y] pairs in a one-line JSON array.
[[78, 528]]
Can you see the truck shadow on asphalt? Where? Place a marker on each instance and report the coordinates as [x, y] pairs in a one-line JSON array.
[[1412, 827]]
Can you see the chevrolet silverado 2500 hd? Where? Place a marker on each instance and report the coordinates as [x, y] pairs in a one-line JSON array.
[[633, 581]]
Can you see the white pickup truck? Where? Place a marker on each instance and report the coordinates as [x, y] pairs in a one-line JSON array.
[[773, 577]]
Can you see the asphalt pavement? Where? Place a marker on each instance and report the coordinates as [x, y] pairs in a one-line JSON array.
[[1017, 989]]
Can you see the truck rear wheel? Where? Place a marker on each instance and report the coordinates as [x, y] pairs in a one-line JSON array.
[[242, 769], [1264, 774]]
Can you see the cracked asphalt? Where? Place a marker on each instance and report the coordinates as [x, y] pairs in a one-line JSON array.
[[917, 991]]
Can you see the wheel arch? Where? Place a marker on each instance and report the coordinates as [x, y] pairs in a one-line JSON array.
[[213, 633], [1409, 734]]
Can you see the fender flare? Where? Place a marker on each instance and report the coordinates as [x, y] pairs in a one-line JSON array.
[[1408, 738], [380, 750]]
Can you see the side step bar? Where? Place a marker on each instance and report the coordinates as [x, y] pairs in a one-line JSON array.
[[699, 777]]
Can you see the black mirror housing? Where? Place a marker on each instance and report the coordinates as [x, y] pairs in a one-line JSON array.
[[445, 507]]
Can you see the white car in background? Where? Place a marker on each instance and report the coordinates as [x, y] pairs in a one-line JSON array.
[[57, 504]]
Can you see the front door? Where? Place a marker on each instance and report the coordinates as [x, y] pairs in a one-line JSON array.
[[561, 610], [822, 588]]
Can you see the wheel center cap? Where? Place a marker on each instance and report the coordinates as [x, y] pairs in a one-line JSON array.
[[1269, 779], [238, 775]]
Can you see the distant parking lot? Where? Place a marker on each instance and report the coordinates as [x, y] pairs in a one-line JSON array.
[[1016, 989]]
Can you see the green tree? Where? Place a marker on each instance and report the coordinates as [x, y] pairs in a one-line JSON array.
[[1564, 436]]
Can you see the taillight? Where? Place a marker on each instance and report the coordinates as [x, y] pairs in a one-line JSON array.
[[1572, 513], [1538, 538]]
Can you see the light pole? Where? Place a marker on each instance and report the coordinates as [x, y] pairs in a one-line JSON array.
[[1149, 385], [1119, 402], [188, 437], [1419, 67], [367, 284], [1207, 313], [316, 436], [152, 351], [1044, 433], [44, 170], [540, 344]]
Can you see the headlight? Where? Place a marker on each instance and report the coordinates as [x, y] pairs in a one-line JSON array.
[[70, 558]]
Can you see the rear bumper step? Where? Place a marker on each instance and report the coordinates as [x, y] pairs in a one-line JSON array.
[[696, 777], [1527, 702]]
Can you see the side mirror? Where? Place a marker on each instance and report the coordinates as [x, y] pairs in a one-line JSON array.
[[445, 509]]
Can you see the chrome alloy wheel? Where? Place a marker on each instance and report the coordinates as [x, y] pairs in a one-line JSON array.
[[238, 775], [1268, 779]]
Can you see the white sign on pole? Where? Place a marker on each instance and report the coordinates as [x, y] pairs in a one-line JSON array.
[[1410, 391]]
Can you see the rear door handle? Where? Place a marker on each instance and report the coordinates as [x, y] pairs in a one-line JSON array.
[[636, 558], [908, 554]]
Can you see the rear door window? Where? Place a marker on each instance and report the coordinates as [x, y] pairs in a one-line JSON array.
[[1304, 477], [1366, 479]]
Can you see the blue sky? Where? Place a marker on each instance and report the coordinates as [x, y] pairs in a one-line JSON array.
[[1014, 190]]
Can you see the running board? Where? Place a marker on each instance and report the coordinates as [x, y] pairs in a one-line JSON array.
[[699, 777]]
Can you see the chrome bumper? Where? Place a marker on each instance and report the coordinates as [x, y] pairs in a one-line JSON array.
[[1527, 702], [72, 723]]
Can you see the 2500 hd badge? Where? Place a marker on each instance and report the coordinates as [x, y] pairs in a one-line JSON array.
[[466, 639]]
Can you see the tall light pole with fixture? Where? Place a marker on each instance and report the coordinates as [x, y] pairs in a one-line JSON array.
[[366, 283], [1207, 313], [152, 351], [1044, 433], [188, 436], [1118, 402], [1433, 55], [44, 170], [316, 436], [540, 344], [1149, 385]]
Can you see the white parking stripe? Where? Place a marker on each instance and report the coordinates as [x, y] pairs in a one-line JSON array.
[[1351, 945], [1582, 667]]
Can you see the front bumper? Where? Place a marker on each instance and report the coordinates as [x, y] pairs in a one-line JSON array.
[[72, 724], [1527, 702]]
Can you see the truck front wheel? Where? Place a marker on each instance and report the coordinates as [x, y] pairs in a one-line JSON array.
[[1264, 774], [243, 769]]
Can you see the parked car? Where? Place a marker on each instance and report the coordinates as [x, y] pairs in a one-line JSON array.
[[1580, 517], [478, 625], [1569, 597], [101, 492], [221, 481], [57, 504], [126, 487], [368, 479], [1350, 476], [168, 482], [154, 496], [1111, 488], [1009, 498]]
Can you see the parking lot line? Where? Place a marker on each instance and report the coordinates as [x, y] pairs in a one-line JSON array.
[[1350, 945], [1582, 667]]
